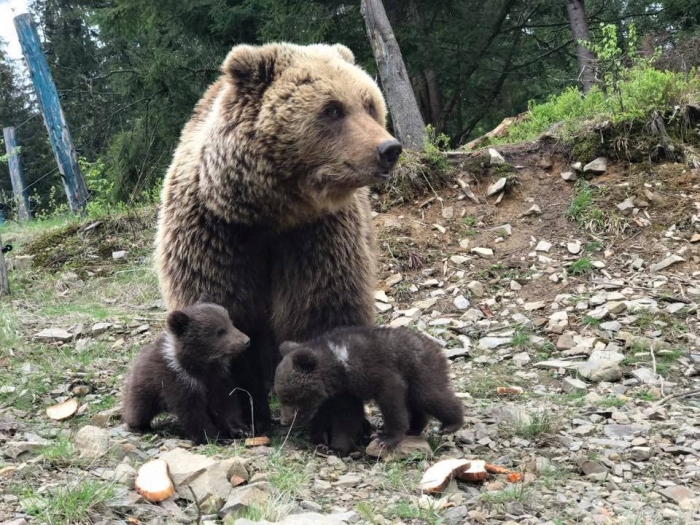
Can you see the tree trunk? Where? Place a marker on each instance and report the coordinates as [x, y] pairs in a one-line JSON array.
[[408, 123], [579, 29]]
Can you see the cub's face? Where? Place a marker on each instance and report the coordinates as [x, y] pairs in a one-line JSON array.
[[321, 119], [208, 328], [299, 383]]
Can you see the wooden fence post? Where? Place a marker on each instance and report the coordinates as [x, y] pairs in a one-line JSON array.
[[54, 119], [14, 161], [4, 281]]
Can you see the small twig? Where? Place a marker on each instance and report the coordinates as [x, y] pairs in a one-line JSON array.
[[196, 504], [291, 426], [252, 410], [678, 395]]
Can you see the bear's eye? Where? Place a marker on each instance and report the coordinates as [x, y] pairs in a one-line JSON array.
[[372, 112], [221, 332], [333, 111]]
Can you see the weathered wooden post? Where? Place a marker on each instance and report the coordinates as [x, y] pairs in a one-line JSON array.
[[4, 281], [54, 119], [14, 162]]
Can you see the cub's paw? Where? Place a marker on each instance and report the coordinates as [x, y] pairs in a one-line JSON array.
[[449, 429], [325, 450], [388, 441]]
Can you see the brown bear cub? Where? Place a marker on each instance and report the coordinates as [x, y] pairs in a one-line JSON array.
[[404, 372], [186, 372]]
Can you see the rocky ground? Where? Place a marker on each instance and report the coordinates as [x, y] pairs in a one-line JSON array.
[[566, 301]]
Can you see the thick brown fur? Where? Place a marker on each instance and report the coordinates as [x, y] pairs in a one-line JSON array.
[[403, 371], [265, 207], [185, 371]]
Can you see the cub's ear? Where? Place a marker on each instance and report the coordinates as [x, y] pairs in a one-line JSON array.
[[288, 346], [305, 361], [251, 66], [345, 53], [177, 322]]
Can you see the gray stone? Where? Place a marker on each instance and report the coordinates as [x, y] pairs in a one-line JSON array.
[[644, 375], [14, 449], [566, 341], [100, 328], [568, 176], [496, 187], [677, 493], [456, 514], [600, 370], [489, 343], [215, 480], [611, 326], [530, 307], [461, 302], [543, 246], [459, 259], [121, 254], [573, 247], [521, 359], [625, 205], [448, 212], [573, 385], [185, 466], [242, 497], [483, 252], [597, 166], [616, 307], [496, 158], [125, 474], [348, 480], [640, 453], [534, 210], [51, 335], [515, 286], [476, 288], [665, 263], [393, 280], [92, 442], [625, 431], [453, 353]]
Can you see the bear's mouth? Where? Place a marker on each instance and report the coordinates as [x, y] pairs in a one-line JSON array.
[[375, 176]]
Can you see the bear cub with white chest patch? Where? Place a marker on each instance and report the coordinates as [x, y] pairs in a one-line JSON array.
[[186, 371], [404, 372]]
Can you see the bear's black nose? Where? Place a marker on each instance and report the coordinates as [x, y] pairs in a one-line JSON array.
[[388, 153], [246, 342]]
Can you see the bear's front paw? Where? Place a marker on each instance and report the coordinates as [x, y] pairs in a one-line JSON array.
[[388, 441], [325, 450], [450, 429], [239, 430]]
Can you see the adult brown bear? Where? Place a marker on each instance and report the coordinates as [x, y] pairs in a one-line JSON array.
[[265, 207]]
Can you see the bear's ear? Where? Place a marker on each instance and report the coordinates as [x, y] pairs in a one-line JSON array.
[[252, 66], [288, 346], [345, 53], [305, 361], [177, 322]]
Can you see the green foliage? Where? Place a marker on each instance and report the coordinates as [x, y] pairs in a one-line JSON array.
[[581, 267], [631, 90], [69, 505]]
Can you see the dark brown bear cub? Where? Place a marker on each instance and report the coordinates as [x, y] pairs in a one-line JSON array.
[[186, 371], [404, 372]]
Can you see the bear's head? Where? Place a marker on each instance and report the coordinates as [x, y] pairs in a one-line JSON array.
[[301, 381], [314, 122], [203, 332]]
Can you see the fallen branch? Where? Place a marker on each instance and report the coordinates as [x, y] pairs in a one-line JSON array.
[[678, 395], [467, 191]]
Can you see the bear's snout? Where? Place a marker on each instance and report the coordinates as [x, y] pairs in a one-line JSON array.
[[388, 153]]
